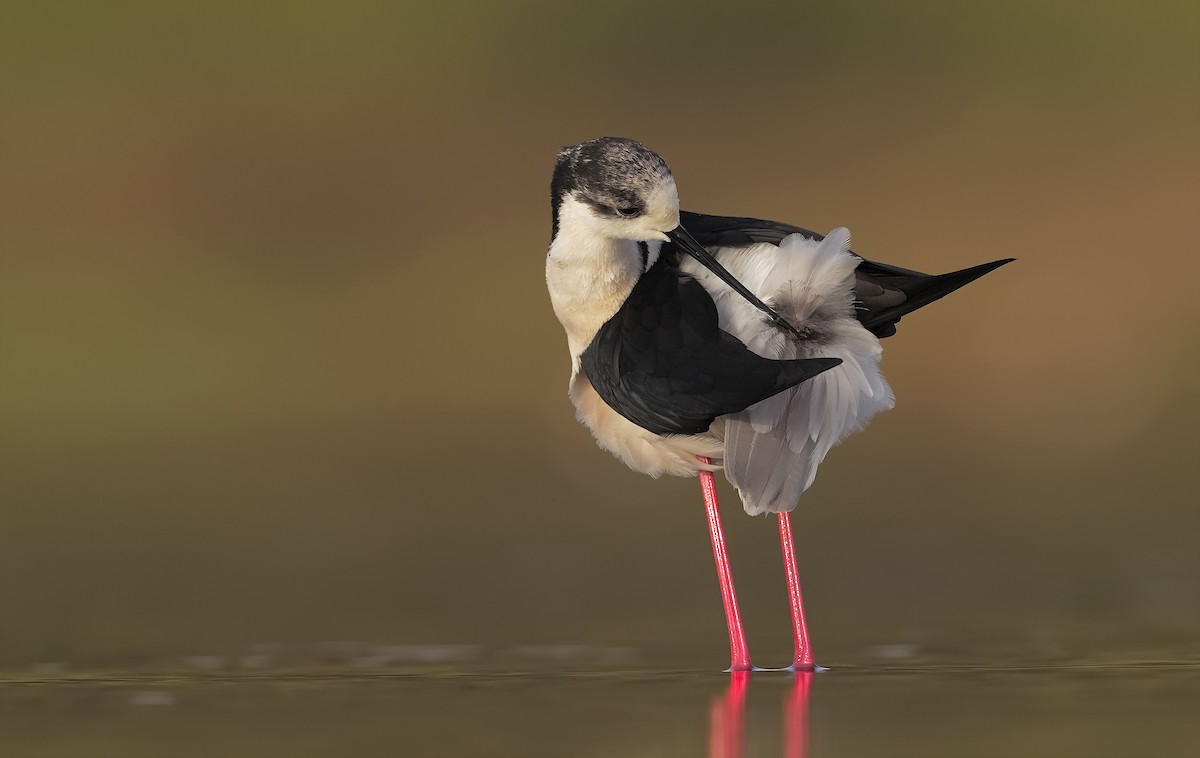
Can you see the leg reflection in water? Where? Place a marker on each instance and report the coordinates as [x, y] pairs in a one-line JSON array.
[[795, 717], [727, 717]]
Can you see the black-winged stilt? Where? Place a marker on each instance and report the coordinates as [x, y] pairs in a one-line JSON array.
[[701, 342]]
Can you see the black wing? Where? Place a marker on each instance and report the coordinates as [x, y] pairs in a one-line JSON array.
[[662, 362], [884, 293]]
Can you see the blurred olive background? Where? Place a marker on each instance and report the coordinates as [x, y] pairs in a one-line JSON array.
[[277, 365]]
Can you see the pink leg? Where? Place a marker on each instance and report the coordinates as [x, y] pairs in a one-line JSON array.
[[738, 651], [804, 656]]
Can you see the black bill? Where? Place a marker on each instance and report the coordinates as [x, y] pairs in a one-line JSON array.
[[689, 245]]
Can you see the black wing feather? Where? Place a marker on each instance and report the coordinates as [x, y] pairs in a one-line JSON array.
[[663, 363], [884, 293]]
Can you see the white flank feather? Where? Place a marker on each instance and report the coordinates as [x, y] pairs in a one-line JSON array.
[[773, 448]]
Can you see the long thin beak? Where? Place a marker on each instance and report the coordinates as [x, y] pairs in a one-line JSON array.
[[689, 245]]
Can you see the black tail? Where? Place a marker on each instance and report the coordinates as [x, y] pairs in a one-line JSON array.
[[885, 293]]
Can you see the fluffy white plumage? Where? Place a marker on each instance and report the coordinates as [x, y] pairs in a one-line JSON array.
[[773, 448]]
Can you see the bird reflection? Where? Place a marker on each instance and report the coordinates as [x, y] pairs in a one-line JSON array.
[[727, 717]]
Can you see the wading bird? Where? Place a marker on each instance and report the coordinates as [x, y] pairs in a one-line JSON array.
[[702, 342]]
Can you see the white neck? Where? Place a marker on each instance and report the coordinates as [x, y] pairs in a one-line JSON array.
[[589, 274]]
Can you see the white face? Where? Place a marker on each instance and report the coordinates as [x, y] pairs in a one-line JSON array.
[[662, 212], [656, 214]]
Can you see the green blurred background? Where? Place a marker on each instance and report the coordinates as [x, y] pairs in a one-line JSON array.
[[277, 365]]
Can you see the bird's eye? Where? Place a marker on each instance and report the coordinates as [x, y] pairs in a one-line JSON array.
[[628, 211]]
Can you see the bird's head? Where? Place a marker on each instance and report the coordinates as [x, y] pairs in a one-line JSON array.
[[614, 187]]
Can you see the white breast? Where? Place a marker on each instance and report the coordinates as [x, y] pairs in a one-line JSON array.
[[589, 277]]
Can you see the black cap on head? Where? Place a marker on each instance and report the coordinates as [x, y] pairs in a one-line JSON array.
[[613, 175]]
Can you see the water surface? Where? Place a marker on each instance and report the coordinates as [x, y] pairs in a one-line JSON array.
[[1141, 709]]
